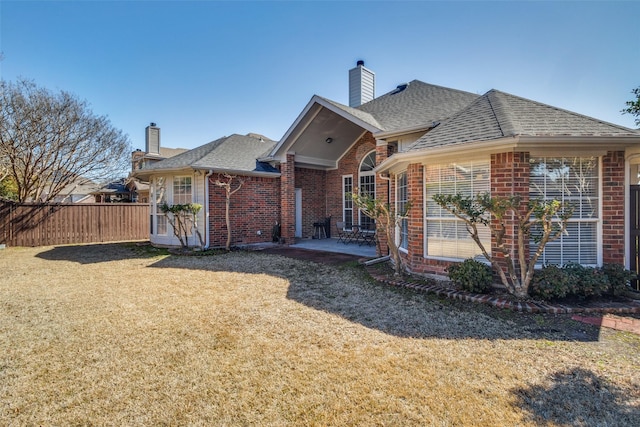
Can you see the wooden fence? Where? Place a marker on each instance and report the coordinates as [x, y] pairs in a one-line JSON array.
[[57, 224]]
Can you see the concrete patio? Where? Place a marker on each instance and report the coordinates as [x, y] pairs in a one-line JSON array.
[[332, 245]]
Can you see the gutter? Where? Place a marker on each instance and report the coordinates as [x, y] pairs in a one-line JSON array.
[[242, 172], [399, 132]]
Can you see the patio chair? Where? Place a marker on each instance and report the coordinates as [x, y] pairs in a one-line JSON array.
[[343, 235], [368, 235]]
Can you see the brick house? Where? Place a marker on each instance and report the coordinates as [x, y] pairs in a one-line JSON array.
[[418, 140], [190, 177]]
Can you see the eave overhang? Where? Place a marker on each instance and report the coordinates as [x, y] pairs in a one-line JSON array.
[[146, 174], [536, 145]]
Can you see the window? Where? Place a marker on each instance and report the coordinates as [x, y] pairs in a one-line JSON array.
[[573, 180], [401, 203], [445, 235], [347, 201], [367, 185], [159, 198], [182, 190]]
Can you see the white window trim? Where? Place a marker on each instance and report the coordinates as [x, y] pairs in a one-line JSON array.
[[598, 222], [398, 230], [344, 197], [425, 218], [365, 174]]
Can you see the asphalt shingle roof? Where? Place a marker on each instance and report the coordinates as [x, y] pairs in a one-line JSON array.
[[498, 114], [235, 152], [414, 104]]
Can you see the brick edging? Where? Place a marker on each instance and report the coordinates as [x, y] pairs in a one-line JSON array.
[[524, 307]]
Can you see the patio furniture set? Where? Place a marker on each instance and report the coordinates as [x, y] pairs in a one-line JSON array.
[[353, 233]]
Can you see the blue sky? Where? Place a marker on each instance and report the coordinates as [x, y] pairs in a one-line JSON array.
[[205, 69]]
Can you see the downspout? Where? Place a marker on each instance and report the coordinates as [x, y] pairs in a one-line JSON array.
[[207, 239]]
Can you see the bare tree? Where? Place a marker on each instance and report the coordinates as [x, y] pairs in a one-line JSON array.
[[227, 184], [387, 221], [49, 140], [184, 222]]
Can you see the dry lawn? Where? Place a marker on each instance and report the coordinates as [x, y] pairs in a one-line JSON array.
[[119, 335]]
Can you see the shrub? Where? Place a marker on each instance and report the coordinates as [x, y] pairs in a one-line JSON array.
[[471, 275], [551, 282], [618, 278], [586, 282]]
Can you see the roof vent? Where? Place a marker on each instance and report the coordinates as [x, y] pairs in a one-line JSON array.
[[401, 87]]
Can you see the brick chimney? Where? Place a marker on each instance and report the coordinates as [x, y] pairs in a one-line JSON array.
[[361, 85], [152, 139]]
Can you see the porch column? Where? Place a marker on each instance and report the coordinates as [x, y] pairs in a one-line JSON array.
[[288, 199]]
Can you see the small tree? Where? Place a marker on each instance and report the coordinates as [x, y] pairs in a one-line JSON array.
[[544, 221], [184, 221], [633, 107], [387, 221], [226, 181]]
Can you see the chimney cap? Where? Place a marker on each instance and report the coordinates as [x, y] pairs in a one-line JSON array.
[[152, 124], [360, 63]]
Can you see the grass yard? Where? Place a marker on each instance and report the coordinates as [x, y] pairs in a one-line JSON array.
[[120, 335]]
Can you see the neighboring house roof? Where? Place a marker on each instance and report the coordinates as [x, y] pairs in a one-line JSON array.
[[76, 191], [497, 114], [171, 152], [234, 154], [416, 103], [115, 187]]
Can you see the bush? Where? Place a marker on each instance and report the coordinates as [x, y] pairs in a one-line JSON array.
[[586, 282], [618, 278], [551, 282], [471, 275]]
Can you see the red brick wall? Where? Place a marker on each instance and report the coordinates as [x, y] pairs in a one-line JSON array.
[[348, 165], [510, 177], [260, 197], [383, 189], [415, 192], [613, 194], [313, 185]]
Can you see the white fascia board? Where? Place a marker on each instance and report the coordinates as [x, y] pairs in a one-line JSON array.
[[241, 172], [316, 161], [290, 136], [305, 118], [147, 173], [445, 151], [402, 132], [355, 120], [590, 145]]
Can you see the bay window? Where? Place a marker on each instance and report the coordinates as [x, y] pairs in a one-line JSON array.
[[575, 181], [445, 235]]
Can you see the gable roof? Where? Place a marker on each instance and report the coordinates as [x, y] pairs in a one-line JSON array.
[[235, 154], [409, 107], [497, 115]]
